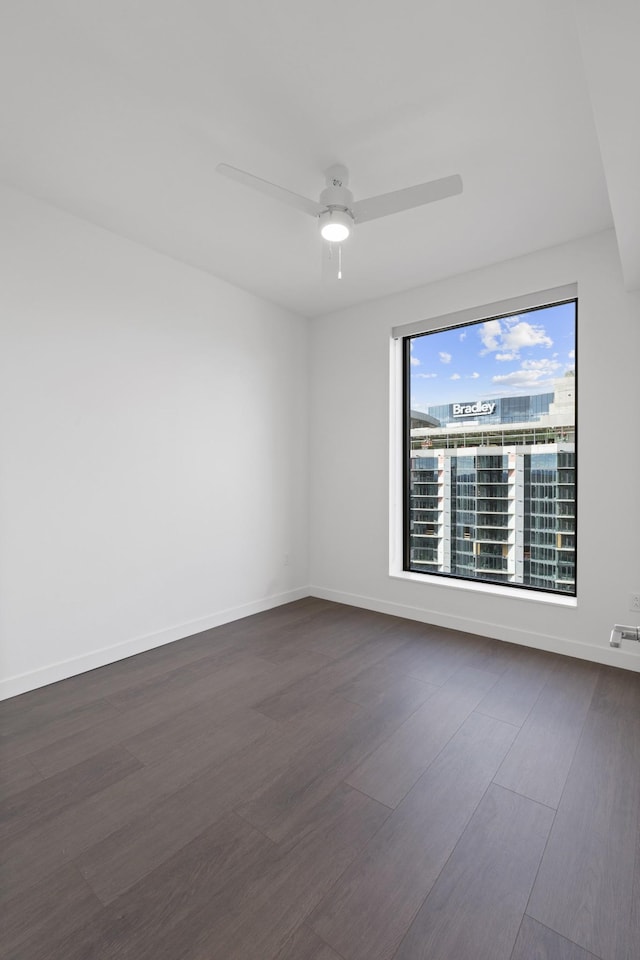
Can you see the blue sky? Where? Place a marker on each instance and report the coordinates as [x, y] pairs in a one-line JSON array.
[[520, 354]]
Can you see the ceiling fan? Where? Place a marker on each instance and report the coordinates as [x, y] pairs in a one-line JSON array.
[[337, 212]]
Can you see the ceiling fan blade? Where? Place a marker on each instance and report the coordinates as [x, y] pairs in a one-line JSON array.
[[397, 200], [270, 189]]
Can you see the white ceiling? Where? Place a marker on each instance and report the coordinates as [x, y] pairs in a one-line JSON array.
[[119, 112]]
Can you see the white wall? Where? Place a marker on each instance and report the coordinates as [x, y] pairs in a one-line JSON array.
[[349, 456], [153, 447]]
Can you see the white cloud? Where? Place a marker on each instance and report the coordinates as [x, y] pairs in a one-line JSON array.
[[415, 362], [545, 366], [511, 335], [490, 333], [571, 354], [519, 378], [444, 357], [463, 335], [524, 334], [454, 376], [474, 375], [532, 374], [425, 376]]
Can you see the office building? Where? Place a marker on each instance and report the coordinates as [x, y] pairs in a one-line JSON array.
[[492, 489]]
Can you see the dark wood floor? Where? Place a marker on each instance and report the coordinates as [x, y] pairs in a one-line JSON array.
[[324, 783]]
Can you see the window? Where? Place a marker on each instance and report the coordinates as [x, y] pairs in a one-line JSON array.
[[489, 445]]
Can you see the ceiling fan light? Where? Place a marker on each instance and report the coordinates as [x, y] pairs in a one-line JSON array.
[[335, 225]]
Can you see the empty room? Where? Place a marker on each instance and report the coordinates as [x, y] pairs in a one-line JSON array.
[[319, 514]]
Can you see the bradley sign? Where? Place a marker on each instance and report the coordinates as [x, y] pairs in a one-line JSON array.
[[476, 409]]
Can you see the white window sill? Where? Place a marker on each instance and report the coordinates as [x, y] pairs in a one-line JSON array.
[[491, 589]]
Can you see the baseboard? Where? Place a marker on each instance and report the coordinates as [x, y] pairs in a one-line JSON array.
[[526, 638], [13, 686]]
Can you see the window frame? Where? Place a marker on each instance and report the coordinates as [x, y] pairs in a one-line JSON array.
[[400, 546]]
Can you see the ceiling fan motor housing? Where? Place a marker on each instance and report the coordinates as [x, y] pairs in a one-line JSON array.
[[336, 222], [336, 196]]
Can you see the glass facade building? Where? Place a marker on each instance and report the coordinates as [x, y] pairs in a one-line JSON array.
[[505, 410]]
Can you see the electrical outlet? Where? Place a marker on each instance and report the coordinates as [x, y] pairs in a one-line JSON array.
[[634, 602]]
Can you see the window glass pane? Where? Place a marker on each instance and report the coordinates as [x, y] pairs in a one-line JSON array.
[[491, 450]]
